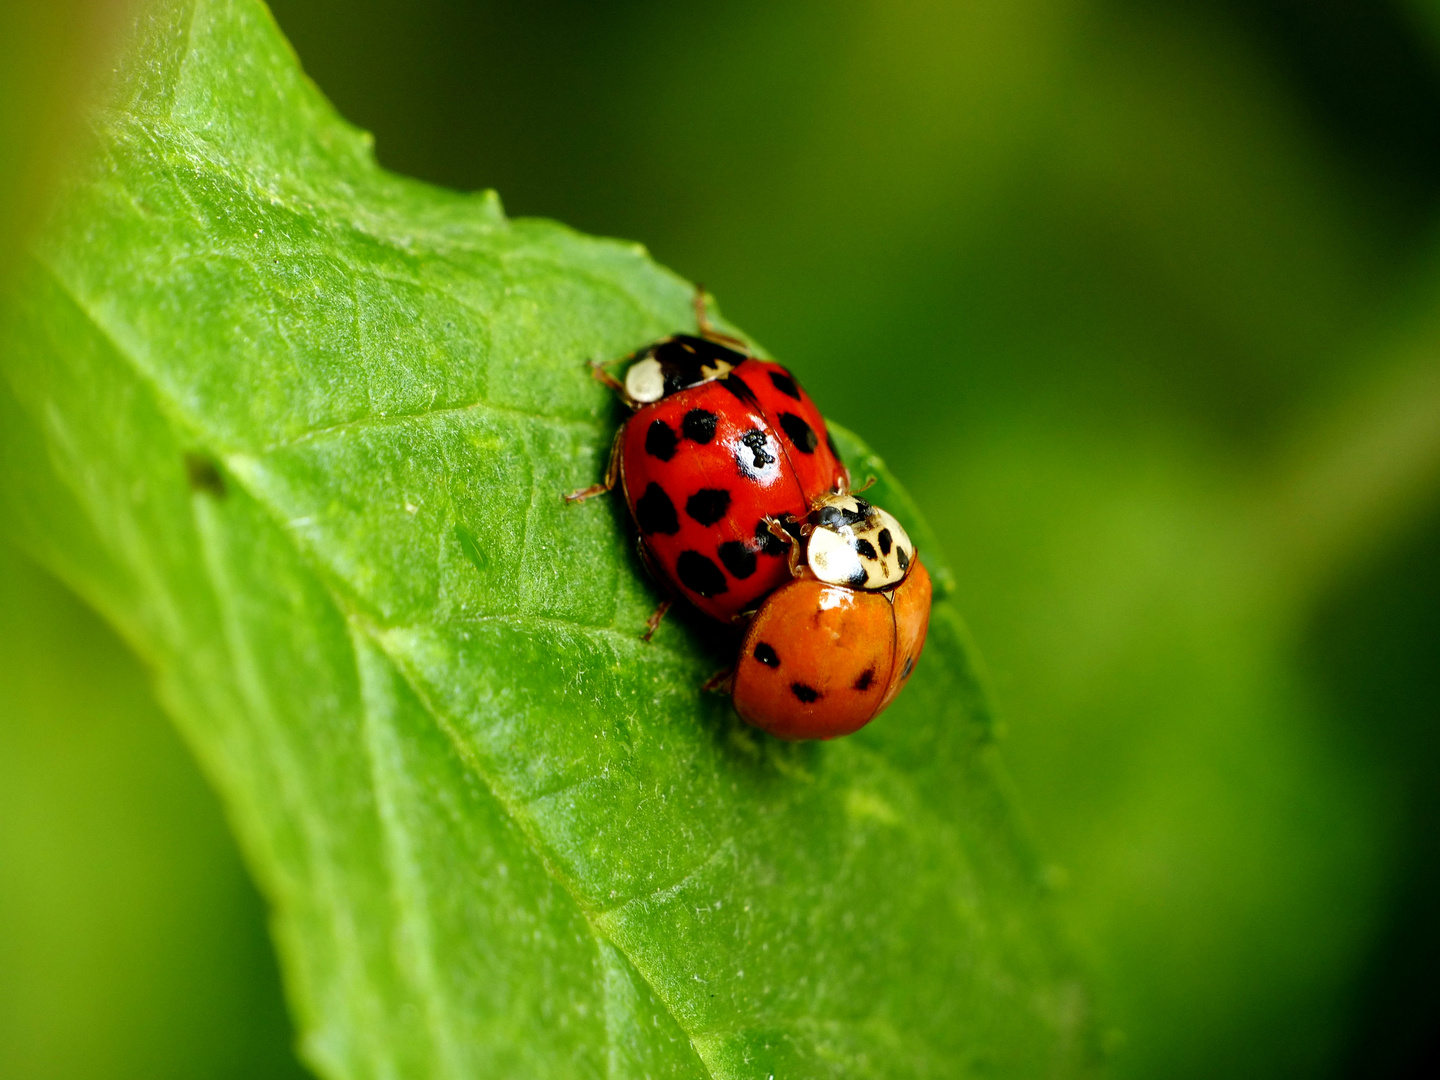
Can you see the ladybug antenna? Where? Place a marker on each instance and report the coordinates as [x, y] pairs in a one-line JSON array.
[[707, 331], [869, 483]]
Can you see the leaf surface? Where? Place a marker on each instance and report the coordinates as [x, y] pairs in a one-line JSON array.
[[300, 429]]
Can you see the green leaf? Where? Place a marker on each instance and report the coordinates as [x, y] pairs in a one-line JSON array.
[[300, 429]]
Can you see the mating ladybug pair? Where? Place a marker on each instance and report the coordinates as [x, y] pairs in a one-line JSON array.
[[744, 509]]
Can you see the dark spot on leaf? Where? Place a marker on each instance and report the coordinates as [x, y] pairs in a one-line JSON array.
[[766, 655], [807, 694], [755, 442], [700, 575], [865, 549], [866, 678], [204, 476], [708, 505], [660, 441], [738, 558], [655, 513], [698, 425], [886, 540], [785, 384], [800, 432]]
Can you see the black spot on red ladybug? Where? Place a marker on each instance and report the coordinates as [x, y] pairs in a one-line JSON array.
[[770, 544], [700, 575], [708, 505], [753, 453], [738, 558], [801, 434], [785, 384], [660, 441], [909, 667], [865, 549], [866, 678], [655, 513], [699, 425], [807, 694], [903, 559], [766, 655], [886, 541], [740, 389]]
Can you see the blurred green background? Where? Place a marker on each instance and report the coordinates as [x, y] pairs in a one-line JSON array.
[[1142, 300]]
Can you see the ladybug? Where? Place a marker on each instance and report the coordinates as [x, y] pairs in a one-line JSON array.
[[719, 444], [826, 653]]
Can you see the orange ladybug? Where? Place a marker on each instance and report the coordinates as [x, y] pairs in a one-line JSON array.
[[827, 652]]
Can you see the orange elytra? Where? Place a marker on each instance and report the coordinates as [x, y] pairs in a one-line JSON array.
[[821, 660]]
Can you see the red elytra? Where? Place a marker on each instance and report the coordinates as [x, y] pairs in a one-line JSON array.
[[822, 660], [731, 440]]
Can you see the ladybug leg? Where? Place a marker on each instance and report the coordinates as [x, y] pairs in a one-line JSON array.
[[702, 322], [720, 682], [653, 623], [612, 475], [600, 375], [792, 550]]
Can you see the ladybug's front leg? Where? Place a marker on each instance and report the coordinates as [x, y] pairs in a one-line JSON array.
[[600, 375], [792, 550], [612, 475]]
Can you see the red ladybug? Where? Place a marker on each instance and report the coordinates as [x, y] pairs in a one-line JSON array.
[[826, 653], [720, 443]]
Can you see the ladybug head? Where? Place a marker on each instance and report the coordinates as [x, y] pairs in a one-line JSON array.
[[852, 542], [677, 363]]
